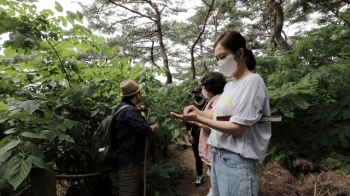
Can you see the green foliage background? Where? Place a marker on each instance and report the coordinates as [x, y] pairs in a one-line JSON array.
[[57, 85]]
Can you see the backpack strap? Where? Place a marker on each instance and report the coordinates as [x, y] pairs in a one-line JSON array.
[[120, 109]]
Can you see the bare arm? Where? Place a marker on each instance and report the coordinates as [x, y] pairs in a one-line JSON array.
[[228, 127], [203, 126]]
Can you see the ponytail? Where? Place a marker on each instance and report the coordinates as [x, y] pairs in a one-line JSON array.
[[250, 59]]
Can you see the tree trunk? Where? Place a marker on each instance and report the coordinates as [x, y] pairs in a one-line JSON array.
[[169, 77], [276, 25]]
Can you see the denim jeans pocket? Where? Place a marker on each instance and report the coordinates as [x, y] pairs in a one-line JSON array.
[[233, 160]]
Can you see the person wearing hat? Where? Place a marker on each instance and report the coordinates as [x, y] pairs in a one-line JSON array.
[[130, 132], [193, 132]]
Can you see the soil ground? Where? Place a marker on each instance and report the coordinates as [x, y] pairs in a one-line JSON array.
[[186, 161]]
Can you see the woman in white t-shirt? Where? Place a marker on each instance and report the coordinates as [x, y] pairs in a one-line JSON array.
[[237, 137]]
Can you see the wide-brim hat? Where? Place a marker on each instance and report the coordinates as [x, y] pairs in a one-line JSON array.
[[129, 87]]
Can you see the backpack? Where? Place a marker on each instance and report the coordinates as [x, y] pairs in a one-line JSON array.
[[102, 151]]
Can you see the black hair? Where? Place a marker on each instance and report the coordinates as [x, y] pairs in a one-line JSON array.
[[214, 82]]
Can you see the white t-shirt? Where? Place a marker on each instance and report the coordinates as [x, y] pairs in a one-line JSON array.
[[245, 101]]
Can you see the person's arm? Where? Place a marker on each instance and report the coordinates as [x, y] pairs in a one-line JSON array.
[[203, 126], [228, 127]]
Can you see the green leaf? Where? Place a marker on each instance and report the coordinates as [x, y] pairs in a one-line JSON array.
[[65, 92], [88, 91], [111, 52], [4, 140], [93, 113], [98, 38], [63, 20], [75, 68], [9, 52], [13, 112], [77, 130], [58, 7], [3, 120], [64, 137], [30, 77], [33, 149], [345, 170], [76, 95], [18, 41], [48, 114], [50, 135], [9, 146], [32, 135], [79, 16], [68, 123], [38, 161], [70, 17], [30, 106], [3, 167], [5, 156], [17, 170], [175, 133], [11, 131]]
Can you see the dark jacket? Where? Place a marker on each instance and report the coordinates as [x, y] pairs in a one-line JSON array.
[[127, 123]]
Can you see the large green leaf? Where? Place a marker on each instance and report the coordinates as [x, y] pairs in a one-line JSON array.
[[32, 135], [33, 149], [30, 106], [17, 170], [4, 140], [49, 134], [9, 146], [11, 131], [38, 161]]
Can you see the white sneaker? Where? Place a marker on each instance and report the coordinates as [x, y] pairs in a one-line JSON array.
[[199, 180]]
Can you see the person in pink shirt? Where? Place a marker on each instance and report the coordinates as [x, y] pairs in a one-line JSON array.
[[212, 85]]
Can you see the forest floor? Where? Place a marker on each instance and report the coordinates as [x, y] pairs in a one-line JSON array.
[[186, 160]]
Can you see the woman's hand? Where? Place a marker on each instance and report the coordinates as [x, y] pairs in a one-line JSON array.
[[186, 117], [190, 109]]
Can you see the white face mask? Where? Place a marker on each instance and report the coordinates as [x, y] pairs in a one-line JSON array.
[[228, 66], [205, 93]]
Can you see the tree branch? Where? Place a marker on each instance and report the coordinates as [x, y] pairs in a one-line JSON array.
[[130, 10], [61, 63], [210, 8], [77, 176]]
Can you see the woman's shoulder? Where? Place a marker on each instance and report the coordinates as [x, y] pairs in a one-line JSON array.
[[254, 76]]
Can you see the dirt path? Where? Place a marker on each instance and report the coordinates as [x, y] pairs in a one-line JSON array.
[[186, 161]]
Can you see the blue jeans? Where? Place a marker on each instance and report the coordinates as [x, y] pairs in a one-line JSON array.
[[232, 175]]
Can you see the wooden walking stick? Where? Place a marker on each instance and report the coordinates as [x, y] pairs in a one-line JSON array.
[[142, 108]]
